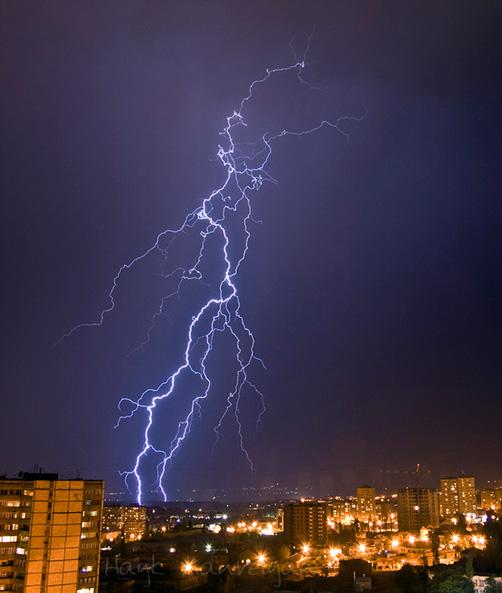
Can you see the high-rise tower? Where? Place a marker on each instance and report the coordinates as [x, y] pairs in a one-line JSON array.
[[50, 534]]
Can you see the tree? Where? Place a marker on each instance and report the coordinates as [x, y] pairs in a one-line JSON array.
[[461, 524], [408, 581], [469, 564], [491, 586], [493, 534], [451, 582], [347, 535], [435, 545]]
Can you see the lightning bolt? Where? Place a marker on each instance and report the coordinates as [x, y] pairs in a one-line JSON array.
[[244, 174]]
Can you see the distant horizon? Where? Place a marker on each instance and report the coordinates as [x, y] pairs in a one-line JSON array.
[[264, 493]]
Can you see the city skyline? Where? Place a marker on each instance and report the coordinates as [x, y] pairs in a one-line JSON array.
[[456, 494], [59, 535]]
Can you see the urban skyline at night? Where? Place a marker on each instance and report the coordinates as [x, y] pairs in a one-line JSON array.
[[252, 301]]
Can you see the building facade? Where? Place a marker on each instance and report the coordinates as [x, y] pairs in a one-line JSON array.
[[457, 496], [417, 508], [128, 521], [366, 507], [342, 511], [305, 522], [50, 534], [386, 513]]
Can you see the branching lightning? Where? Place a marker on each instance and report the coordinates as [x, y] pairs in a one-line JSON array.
[[244, 175]]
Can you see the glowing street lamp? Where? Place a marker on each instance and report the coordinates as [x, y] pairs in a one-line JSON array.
[[306, 548], [187, 567], [394, 543], [261, 558], [334, 553], [362, 548]]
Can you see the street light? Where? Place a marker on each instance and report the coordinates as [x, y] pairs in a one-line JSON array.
[[334, 552]]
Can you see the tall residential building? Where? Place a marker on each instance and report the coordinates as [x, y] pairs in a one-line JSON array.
[[305, 522], [417, 508], [386, 513], [457, 496], [342, 511], [129, 521], [50, 534], [279, 520], [366, 509]]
